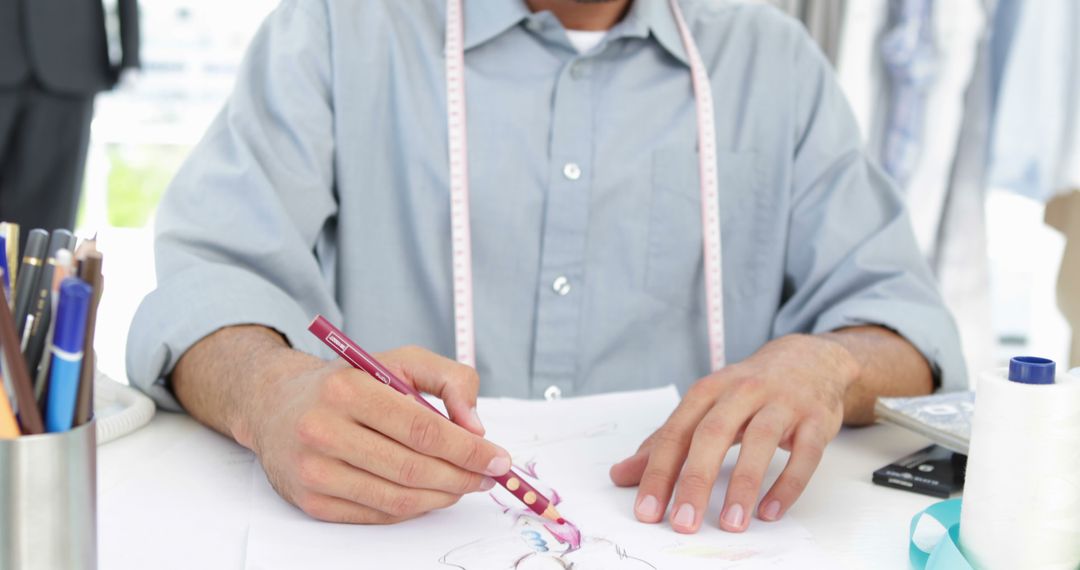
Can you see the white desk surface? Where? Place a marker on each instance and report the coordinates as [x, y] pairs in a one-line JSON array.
[[199, 518]]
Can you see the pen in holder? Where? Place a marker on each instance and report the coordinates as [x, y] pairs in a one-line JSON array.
[[48, 500]]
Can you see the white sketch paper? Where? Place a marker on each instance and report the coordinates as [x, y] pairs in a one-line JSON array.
[[572, 442]]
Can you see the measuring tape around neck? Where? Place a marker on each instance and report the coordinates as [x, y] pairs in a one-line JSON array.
[[461, 240]]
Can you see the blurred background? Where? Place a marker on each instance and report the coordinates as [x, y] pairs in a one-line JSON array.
[[141, 133], [973, 106]]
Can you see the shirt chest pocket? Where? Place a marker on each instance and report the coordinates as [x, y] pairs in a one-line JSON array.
[[674, 271]]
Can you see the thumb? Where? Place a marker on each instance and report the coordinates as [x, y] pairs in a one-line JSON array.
[[628, 472], [452, 382]]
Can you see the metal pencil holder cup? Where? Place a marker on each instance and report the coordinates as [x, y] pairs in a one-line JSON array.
[[48, 500]]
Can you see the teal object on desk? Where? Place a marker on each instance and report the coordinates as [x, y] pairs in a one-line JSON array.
[[935, 538]]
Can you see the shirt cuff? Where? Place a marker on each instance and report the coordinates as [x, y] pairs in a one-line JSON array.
[[195, 303], [930, 330]]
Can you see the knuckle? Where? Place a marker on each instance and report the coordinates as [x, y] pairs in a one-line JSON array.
[[668, 437], [748, 384], [741, 481], [472, 454], [401, 505], [819, 438], [654, 476], [811, 441], [468, 376], [450, 501], [377, 517], [694, 482], [410, 473], [791, 485], [762, 433], [423, 432], [338, 386], [702, 389], [312, 431], [713, 428], [815, 447], [466, 484], [310, 472], [312, 506]]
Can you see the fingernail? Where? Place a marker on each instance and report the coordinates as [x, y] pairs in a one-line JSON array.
[[476, 419], [684, 517], [498, 466], [487, 484], [648, 508], [771, 510], [733, 517]]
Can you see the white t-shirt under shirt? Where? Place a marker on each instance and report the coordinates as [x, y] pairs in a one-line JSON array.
[[585, 40]]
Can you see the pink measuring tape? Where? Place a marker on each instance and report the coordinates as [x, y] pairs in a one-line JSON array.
[[461, 239]]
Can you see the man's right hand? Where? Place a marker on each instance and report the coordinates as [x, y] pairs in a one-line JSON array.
[[345, 448]]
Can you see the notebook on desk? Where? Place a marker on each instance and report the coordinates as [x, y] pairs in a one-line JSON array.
[[944, 419]]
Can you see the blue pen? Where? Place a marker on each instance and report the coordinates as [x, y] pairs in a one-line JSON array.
[[4, 267], [67, 354]]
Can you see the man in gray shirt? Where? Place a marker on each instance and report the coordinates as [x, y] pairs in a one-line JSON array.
[[323, 188]]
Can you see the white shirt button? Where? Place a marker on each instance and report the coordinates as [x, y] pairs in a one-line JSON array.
[[552, 393], [561, 285], [571, 171], [577, 70]]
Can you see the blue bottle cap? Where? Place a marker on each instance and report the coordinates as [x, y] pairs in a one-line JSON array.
[[71, 312], [1031, 370]]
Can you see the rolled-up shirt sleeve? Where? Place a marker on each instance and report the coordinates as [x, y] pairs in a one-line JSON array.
[[852, 256], [238, 230]]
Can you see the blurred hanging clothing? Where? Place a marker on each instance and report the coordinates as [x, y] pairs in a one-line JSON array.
[[1036, 146], [1035, 149], [959, 254], [916, 74], [54, 57], [910, 59]]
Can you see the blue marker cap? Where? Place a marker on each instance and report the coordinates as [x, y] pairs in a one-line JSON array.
[[1031, 370], [71, 315]]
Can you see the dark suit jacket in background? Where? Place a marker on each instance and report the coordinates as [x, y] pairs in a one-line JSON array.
[[62, 44], [54, 57]]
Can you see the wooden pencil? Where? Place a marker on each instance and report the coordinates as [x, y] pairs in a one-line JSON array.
[[89, 271], [29, 415], [9, 427]]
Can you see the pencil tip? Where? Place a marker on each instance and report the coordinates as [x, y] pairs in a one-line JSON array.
[[553, 515]]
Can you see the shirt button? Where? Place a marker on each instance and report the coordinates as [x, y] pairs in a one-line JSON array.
[[577, 70], [561, 285], [552, 393], [571, 171]]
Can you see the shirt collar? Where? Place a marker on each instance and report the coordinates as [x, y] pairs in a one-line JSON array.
[[656, 18], [486, 20]]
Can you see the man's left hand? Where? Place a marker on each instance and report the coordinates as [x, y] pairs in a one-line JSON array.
[[789, 394]]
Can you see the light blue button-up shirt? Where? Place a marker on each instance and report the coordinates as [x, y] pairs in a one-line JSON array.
[[322, 188]]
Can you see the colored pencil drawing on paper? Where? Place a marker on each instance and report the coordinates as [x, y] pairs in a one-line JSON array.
[[533, 542]]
